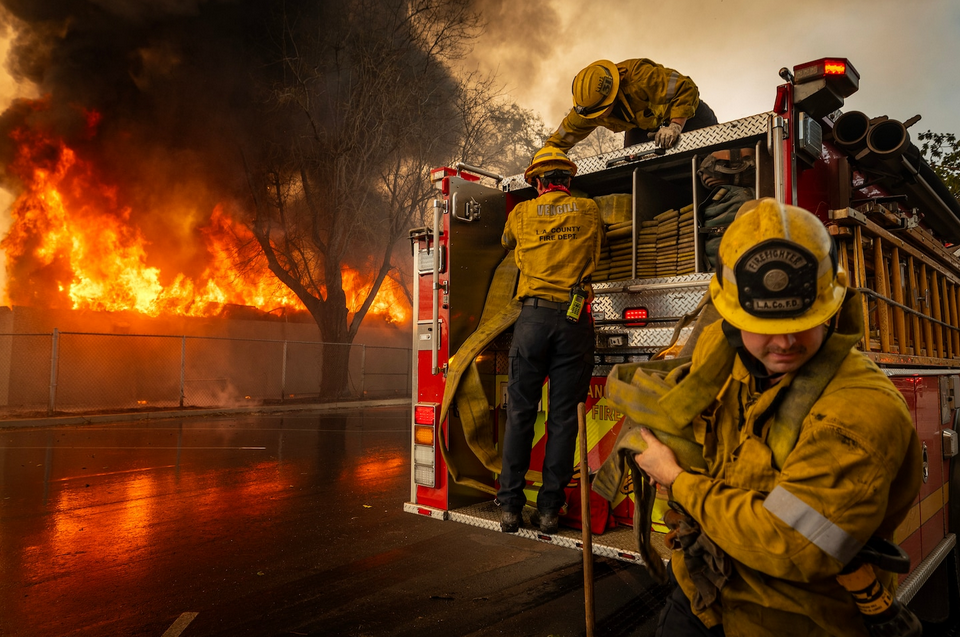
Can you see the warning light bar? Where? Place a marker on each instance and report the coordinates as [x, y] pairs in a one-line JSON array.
[[820, 87], [824, 67], [637, 315], [834, 67]]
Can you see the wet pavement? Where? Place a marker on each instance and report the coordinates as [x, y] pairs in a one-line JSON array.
[[268, 525]]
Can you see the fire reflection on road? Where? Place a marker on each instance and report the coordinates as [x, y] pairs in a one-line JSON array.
[[94, 515]]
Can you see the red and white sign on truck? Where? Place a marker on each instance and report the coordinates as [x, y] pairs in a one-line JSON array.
[[893, 221]]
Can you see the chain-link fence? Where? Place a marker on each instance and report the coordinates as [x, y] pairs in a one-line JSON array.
[[80, 372]]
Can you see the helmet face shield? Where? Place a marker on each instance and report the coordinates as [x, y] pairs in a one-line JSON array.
[[559, 173], [777, 270]]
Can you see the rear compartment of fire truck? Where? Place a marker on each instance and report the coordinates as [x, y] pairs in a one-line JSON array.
[[653, 272], [911, 286]]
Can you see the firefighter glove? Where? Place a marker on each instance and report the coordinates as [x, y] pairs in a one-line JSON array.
[[668, 135]]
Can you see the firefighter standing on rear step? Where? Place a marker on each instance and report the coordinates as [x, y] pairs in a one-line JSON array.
[[641, 98], [784, 551], [556, 240]]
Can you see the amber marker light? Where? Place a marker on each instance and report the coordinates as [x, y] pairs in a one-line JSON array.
[[423, 435]]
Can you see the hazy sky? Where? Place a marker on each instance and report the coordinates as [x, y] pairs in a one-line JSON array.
[[907, 54]]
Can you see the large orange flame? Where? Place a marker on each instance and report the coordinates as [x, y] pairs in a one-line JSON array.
[[73, 244], [390, 303]]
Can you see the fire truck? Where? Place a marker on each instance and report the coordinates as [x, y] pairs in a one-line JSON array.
[[896, 227]]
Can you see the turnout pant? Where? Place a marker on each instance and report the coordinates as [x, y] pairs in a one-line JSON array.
[[677, 618], [544, 345]]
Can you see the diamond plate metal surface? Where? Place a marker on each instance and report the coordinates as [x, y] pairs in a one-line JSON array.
[[665, 297], [503, 361], [647, 339], [748, 128], [617, 543], [672, 296]]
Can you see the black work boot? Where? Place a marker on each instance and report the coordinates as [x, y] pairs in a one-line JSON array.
[[549, 523], [510, 521]]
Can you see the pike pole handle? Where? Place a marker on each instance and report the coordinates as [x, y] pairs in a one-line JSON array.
[[882, 613], [585, 520]]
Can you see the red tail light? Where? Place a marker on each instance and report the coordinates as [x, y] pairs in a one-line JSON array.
[[425, 414], [636, 316]]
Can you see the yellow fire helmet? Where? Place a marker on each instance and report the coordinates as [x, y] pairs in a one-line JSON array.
[[595, 88], [546, 160], [777, 270]]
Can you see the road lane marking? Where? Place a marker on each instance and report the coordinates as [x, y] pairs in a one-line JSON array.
[[180, 625]]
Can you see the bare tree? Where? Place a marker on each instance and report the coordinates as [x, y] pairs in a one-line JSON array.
[[601, 140], [497, 134], [363, 105]]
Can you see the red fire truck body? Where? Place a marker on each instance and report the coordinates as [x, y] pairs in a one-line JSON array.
[[892, 219]]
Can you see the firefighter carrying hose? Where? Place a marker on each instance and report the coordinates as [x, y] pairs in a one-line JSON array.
[[767, 536], [639, 97], [556, 240]]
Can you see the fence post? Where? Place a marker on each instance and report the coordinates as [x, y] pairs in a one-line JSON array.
[[183, 366], [54, 369], [283, 373], [363, 369]]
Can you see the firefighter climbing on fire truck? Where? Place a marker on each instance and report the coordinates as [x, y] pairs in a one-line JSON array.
[[638, 97], [809, 448], [556, 239]]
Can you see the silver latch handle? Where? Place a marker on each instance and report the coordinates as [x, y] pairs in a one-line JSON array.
[[951, 444], [471, 211]]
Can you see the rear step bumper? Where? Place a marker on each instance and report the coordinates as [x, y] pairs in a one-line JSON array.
[[617, 543]]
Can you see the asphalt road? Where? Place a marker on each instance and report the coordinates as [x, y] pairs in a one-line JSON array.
[[269, 525]]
